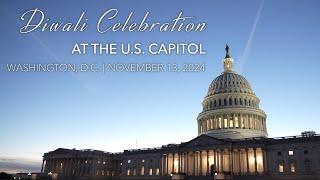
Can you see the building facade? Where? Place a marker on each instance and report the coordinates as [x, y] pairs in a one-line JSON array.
[[232, 143]]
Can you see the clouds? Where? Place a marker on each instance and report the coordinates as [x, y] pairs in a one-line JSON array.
[[19, 165]]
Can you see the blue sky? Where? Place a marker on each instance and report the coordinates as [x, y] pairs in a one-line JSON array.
[[275, 45]]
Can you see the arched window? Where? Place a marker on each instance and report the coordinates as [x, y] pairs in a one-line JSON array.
[[225, 102], [292, 167], [219, 102], [240, 101], [245, 102], [210, 104], [235, 101], [215, 103], [281, 167]]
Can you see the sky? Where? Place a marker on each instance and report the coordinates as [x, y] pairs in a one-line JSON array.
[[275, 45]]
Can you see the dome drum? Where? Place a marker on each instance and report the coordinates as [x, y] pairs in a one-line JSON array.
[[230, 100]]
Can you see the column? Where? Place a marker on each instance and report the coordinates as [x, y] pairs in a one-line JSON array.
[[200, 165], [264, 153], [173, 154], [222, 163], [255, 160], [178, 163], [194, 162], [247, 156], [187, 163], [167, 161], [182, 163], [54, 165], [207, 162], [50, 165], [231, 160], [66, 166], [42, 166], [70, 166], [162, 161], [216, 160], [239, 163]]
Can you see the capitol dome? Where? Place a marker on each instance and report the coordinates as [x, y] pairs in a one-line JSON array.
[[230, 108], [229, 82]]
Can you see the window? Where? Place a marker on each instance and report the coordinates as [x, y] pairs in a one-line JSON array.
[[128, 172], [102, 172], [305, 152], [157, 171], [104, 162], [279, 153], [134, 172], [281, 167], [142, 171], [150, 172], [98, 162], [225, 122], [142, 160], [290, 153], [220, 123], [307, 165], [129, 161], [292, 167], [231, 123]]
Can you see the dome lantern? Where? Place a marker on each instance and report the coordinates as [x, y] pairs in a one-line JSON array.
[[227, 61]]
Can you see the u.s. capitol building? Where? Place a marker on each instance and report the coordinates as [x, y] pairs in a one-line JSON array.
[[232, 143]]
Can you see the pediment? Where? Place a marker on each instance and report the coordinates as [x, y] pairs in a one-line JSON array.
[[203, 140], [60, 151]]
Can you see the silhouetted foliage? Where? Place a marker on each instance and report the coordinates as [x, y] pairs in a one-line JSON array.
[[4, 175]]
